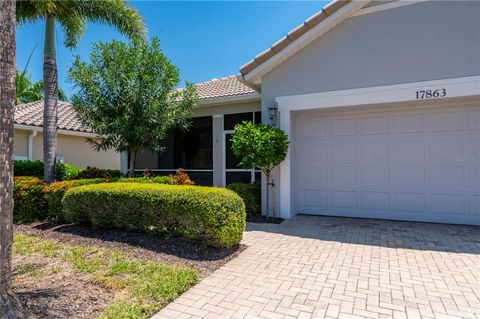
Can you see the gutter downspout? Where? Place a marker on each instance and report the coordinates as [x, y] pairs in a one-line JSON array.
[[30, 145]]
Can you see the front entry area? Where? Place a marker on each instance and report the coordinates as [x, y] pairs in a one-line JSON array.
[[409, 163]]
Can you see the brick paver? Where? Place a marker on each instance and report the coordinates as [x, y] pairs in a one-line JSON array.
[[323, 267]]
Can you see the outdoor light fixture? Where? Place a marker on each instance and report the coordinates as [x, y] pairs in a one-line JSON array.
[[272, 114]]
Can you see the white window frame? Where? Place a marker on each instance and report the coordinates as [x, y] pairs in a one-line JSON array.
[[227, 170]]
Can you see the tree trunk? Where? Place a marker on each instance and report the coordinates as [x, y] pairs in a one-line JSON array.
[[131, 166], [10, 307], [50, 81], [267, 199]]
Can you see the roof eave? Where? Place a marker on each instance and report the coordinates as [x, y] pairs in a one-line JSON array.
[[253, 71], [229, 100]]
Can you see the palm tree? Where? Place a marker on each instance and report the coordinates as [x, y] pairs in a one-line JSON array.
[[28, 91], [10, 307], [72, 16]]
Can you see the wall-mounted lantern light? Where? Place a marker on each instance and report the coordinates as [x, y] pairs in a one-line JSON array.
[[272, 114]]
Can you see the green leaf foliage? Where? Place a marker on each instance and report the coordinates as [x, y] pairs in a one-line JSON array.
[[126, 95], [28, 91], [251, 195], [215, 216], [73, 15], [259, 145]]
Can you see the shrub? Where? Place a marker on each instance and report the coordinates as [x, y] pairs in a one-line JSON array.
[[181, 178], [251, 195], [54, 192], [94, 172], [30, 205], [64, 171], [216, 216]]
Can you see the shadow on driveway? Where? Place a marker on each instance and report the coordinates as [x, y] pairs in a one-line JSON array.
[[381, 233]]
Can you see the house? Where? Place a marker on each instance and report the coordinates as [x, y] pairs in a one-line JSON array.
[[381, 102], [204, 150], [72, 145]]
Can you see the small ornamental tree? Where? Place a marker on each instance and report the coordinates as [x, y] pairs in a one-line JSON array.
[[262, 146], [127, 96]]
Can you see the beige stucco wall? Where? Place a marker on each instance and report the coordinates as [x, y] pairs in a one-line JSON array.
[[20, 147], [75, 150]]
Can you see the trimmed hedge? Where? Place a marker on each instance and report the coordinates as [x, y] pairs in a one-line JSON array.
[[94, 172], [64, 171], [29, 203], [216, 216], [251, 195], [38, 200]]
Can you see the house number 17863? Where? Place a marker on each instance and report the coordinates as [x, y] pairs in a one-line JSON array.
[[431, 94]]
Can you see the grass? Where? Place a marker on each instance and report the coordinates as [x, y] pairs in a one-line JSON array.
[[141, 287]]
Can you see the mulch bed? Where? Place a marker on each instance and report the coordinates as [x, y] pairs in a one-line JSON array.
[[69, 295]]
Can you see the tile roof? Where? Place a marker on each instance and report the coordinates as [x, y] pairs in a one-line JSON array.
[[296, 33], [223, 87], [32, 114]]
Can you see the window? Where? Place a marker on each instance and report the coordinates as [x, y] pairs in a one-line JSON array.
[[233, 173], [190, 149]]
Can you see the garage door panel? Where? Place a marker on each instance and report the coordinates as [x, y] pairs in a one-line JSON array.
[[374, 176], [374, 201], [343, 199], [451, 204], [407, 150], [446, 148], [374, 151], [412, 176], [446, 177], [343, 176], [408, 202], [407, 123], [343, 127], [419, 164], [474, 120], [343, 152], [446, 121], [373, 125]]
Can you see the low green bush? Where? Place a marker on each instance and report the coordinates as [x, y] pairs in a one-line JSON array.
[[38, 200], [94, 172], [216, 216], [251, 195], [29, 203], [64, 171]]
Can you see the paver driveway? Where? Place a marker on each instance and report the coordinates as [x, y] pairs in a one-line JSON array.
[[320, 267]]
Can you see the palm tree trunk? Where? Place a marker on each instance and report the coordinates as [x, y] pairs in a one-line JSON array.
[[10, 307], [50, 81]]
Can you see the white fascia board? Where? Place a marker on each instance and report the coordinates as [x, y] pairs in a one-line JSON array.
[[255, 76], [59, 131], [229, 100], [388, 6], [455, 87]]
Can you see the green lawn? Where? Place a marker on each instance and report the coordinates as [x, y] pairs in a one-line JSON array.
[[140, 288]]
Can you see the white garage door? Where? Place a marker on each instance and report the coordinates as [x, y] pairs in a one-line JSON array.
[[420, 164]]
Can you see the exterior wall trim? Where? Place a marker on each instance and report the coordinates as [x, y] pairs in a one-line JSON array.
[[387, 6], [455, 87], [228, 100], [63, 132]]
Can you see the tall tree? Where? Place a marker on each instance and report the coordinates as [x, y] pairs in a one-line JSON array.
[[72, 15], [10, 307], [126, 95], [28, 91]]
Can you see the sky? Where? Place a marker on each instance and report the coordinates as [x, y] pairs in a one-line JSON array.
[[205, 40]]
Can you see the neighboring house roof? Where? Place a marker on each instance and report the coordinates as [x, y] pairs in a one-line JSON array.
[[226, 87], [31, 114], [298, 38]]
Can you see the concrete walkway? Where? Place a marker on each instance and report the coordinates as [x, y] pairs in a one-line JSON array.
[[321, 267]]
